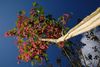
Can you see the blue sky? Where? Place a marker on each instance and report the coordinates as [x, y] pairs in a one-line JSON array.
[[8, 12]]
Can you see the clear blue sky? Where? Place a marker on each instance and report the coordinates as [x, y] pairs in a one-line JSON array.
[[9, 9]]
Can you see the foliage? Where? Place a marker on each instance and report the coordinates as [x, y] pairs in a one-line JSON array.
[[28, 30]]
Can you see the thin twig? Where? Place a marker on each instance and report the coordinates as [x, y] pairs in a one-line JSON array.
[[68, 56]]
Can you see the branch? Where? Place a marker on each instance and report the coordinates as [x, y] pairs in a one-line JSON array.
[[85, 25]]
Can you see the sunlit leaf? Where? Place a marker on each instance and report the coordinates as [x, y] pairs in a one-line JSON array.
[[36, 57], [35, 4]]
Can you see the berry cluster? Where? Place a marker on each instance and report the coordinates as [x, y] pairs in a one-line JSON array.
[[28, 30]]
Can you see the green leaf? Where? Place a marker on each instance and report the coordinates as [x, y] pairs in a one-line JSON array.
[[14, 28], [35, 4], [40, 10], [22, 12], [36, 57], [47, 43], [26, 50], [46, 59], [35, 38], [68, 43], [39, 60], [45, 54], [43, 35], [67, 29]]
